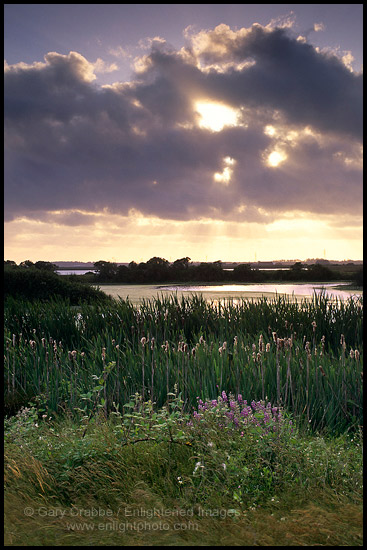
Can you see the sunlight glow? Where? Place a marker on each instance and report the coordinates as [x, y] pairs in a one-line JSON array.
[[269, 130], [275, 158], [225, 176], [215, 116]]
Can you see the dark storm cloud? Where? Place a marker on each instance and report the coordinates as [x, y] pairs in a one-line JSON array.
[[71, 145]]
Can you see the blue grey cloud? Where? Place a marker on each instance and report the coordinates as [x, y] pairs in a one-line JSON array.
[[72, 145]]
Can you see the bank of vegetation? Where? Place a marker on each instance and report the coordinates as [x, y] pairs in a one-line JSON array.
[[159, 271], [223, 423], [42, 283]]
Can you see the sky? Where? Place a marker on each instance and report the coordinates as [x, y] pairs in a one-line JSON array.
[[225, 132]]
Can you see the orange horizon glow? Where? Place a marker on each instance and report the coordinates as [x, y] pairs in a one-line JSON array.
[[138, 238]]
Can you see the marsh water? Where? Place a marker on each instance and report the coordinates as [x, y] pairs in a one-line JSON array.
[[224, 292]]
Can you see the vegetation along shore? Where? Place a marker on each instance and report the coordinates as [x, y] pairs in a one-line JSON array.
[[180, 421]]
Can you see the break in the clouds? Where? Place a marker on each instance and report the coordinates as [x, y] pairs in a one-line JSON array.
[[239, 125]]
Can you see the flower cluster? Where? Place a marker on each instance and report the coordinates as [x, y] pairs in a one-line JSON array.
[[230, 412]]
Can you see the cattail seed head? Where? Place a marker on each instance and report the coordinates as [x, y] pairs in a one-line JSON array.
[[322, 370]]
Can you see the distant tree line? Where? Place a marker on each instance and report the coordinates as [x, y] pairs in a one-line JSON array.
[[158, 270]]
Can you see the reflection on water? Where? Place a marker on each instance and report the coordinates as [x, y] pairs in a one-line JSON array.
[[233, 292], [249, 290]]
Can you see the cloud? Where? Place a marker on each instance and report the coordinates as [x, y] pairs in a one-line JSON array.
[[73, 146]]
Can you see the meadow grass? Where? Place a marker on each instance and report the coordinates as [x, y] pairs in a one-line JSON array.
[[183, 422], [144, 480]]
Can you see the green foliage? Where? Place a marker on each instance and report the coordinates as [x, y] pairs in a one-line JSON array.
[[177, 457], [159, 270], [307, 357], [41, 283], [231, 482]]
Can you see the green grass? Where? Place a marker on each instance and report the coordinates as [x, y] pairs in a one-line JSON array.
[[57, 355], [90, 462], [65, 489]]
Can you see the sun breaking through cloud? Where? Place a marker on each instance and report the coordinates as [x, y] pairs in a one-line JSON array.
[[248, 117]]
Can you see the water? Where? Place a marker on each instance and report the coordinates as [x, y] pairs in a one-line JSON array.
[[75, 271], [221, 292]]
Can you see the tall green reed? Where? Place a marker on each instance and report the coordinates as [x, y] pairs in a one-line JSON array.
[[278, 350]]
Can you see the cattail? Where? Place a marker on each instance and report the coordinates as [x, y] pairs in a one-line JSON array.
[[322, 370], [152, 343], [351, 354], [308, 349], [280, 343], [261, 344], [143, 341], [224, 345], [314, 325], [267, 347], [342, 341], [356, 354]]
